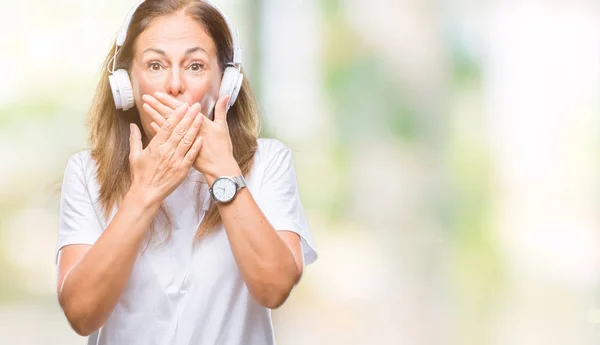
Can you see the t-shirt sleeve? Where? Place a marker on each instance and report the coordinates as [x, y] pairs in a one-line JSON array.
[[77, 220], [280, 200]]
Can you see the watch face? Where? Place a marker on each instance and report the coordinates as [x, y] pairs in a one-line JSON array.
[[223, 189]]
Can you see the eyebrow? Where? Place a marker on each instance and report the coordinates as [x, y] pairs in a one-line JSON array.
[[187, 52]]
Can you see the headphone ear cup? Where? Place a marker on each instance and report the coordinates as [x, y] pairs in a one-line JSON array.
[[236, 90], [229, 84], [121, 89], [115, 91]]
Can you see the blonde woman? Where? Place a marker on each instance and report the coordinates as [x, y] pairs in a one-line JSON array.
[[179, 225]]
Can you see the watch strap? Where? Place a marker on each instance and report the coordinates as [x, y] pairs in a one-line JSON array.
[[240, 181]]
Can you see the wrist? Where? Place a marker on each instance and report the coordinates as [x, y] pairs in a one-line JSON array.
[[141, 198], [231, 168]]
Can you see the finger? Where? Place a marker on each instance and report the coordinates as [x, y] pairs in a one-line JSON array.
[[167, 128], [135, 140], [192, 153], [155, 127], [163, 109], [183, 126], [155, 115], [191, 135], [221, 111], [169, 100]]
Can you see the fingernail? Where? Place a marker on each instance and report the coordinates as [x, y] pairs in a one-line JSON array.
[[146, 97], [159, 94]]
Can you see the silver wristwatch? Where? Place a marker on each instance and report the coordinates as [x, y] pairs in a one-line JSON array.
[[225, 188]]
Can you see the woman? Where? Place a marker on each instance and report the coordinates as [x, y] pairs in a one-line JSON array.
[[179, 226]]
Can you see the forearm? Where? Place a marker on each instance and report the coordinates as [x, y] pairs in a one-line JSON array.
[[92, 288], [265, 261]]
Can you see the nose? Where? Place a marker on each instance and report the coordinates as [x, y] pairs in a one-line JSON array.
[[175, 85]]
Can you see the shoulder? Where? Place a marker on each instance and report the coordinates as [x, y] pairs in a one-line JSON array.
[[273, 160], [268, 148], [80, 157], [80, 165]]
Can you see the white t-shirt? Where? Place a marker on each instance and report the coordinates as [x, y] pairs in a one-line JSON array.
[[178, 294]]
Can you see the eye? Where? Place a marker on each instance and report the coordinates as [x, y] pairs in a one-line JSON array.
[[154, 66], [196, 67]]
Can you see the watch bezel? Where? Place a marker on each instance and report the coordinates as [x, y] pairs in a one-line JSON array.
[[224, 178]]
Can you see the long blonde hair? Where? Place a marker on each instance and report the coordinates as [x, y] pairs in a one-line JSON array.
[[109, 127]]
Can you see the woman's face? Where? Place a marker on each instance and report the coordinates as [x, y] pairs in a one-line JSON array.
[[176, 56]]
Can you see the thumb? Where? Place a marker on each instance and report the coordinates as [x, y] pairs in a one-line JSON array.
[[135, 140], [221, 110]]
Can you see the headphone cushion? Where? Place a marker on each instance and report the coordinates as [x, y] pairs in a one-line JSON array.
[[122, 90], [115, 91], [230, 84], [236, 90]]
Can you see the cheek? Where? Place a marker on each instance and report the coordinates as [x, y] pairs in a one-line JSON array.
[[196, 92], [205, 92], [141, 85]]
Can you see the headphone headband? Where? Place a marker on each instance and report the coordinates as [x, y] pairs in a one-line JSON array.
[[233, 32]]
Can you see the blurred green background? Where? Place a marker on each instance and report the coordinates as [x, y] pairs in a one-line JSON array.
[[447, 154]]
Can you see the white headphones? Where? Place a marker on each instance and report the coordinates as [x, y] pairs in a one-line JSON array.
[[231, 83]]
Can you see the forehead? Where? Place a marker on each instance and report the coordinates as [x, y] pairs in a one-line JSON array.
[[174, 33]]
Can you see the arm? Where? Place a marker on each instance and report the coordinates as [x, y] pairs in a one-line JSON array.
[[92, 278], [270, 261]]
